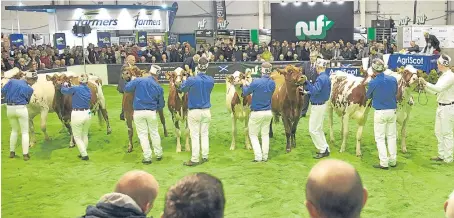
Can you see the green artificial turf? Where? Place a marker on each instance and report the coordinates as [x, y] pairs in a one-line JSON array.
[[55, 183]]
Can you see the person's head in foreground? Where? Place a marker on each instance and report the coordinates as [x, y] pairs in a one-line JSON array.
[[334, 190], [133, 196], [198, 195], [449, 206]]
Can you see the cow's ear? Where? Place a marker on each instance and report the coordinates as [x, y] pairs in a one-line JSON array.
[[167, 75], [301, 69], [248, 73], [281, 71], [49, 78]]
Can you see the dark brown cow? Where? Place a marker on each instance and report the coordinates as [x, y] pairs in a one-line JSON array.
[[178, 105], [237, 105], [287, 101]]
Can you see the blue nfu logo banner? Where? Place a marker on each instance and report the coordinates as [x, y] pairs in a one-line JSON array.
[[16, 39], [141, 39], [60, 40], [104, 39], [312, 21]]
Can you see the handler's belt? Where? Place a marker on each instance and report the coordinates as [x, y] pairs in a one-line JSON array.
[[80, 109], [318, 103], [13, 104], [442, 104], [144, 109]]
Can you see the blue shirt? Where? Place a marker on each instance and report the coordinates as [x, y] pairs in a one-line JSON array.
[[320, 90], [262, 90], [383, 91], [17, 92], [81, 95], [199, 90], [148, 95]]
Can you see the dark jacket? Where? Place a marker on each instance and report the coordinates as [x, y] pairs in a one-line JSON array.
[[327, 54], [433, 42], [238, 55], [174, 56], [276, 51], [414, 49], [305, 54], [115, 205]]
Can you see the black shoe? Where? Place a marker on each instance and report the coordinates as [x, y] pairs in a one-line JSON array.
[[159, 158], [265, 160], [322, 155], [26, 157], [436, 159], [255, 161], [190, 163], [146, 162], [79, 156], [12, 154], [395, 165], [85, 158], [303, 115], [378, 166], [204, 160]]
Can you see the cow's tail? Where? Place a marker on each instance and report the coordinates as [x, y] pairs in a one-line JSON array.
[[101, 103], [276, 118]]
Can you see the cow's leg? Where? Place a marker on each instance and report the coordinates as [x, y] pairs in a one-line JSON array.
[[106, 119], [130, 134], [31, 129], [232, 145], [359, 135], [288, 133], [163, 121], [186, 132], [345, 119], [403, 137], [294, 126], [271, 128], [246, 133], [177, 134], [330, 123], [44, 114], [72, 142]]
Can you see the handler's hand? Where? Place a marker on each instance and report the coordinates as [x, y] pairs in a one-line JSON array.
[[422, 81], [65, 84]]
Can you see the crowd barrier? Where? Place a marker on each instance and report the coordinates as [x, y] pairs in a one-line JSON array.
[[110, 73]]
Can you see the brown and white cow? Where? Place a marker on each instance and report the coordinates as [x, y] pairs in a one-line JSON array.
[[62, 104], [237, 105], [287, 101], [177, 103]]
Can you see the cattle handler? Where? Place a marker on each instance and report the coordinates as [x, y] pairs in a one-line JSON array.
[[17, 95], [148, 98], [81, 115], [199, 116], [444, 119], [259, 122], [383, 91], [319, 94]]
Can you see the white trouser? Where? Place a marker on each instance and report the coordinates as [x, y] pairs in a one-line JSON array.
[[80, 123], [147, 123], [199, 122], [259, 122], [444, 123], [18, 119], [316, 127], [385, 126]]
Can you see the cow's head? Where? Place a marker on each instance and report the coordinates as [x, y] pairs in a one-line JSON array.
[[410, 76], [58, 80], [177, 76], [293, 75], [132, 72], [238, 78]]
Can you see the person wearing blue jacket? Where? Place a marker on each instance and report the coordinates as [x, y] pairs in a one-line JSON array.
[[18, 93], [319, 95], [262, 90], [199, 116], [80, 115], [148, 98], [383, 91]]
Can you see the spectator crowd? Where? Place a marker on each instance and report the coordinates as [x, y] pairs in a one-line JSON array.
[[48, 57]]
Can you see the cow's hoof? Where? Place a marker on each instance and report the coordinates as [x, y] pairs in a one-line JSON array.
[[71, 146], [288, 150], [178, 150], [358, 154], [187, 149], [404, 150], [342, 150], [271, 135], [166, 134], [248, 147], [62, 131], [232, 148], [129, 150], [31, 145], [109, 131]]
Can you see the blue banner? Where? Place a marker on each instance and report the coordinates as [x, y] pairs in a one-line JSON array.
[[172, 15], [350, 70], [420, 62], [104, 39], [16, 39], [60, 41], [141, 39]]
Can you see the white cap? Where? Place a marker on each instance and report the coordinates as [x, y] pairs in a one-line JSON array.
[[155, 69], [236, 74], [411, 69], [321, 63], [83, 78], [178, 70], [444, 60], [31, 75]]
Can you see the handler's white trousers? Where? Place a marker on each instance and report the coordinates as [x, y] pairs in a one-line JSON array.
[[316, 127], [444, 123], [80, 123], [385, 126], [18, 119], [147, 123], [259, 122], [199, 122]]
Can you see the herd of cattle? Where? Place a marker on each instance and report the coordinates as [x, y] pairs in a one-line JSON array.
[[348, 100]]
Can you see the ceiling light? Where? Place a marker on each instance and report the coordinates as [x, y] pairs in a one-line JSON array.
[[297, 3]]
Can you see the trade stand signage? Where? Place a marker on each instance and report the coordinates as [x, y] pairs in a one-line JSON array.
[[104, 39], [225, 32], [425, 63], [113, 19], [221, 15], [204, 33], [16, 39], [349, 70], [60, 41], [141, 39], [320, 21]]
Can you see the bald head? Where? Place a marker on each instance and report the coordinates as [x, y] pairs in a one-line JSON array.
[[131, 60], [334, 189], [449, 206], [141, 186]]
